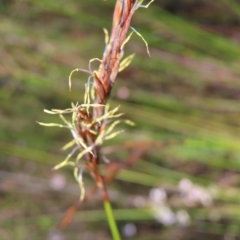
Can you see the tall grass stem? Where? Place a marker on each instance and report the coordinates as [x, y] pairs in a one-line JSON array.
[[111, 221]]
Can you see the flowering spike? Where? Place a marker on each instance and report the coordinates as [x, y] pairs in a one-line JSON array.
[[89, 129]]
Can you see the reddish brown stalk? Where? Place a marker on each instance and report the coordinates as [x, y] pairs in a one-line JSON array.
[[105, 79]]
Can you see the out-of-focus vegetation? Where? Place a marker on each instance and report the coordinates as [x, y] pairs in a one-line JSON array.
[[186, 96]]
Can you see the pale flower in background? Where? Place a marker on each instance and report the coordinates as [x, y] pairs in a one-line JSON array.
[[129, 230], [57, 181], [164, 215], [193, 194], [157, 195], [183, 217]]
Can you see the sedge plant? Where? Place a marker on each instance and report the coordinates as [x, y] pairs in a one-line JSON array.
[[93, 121]]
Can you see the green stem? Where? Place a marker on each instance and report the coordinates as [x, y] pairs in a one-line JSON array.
[[111, 221]]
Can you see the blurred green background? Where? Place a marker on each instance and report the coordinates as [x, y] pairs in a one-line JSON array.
[[186, 97]]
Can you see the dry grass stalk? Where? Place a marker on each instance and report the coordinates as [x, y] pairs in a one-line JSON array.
[[93, 122]]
